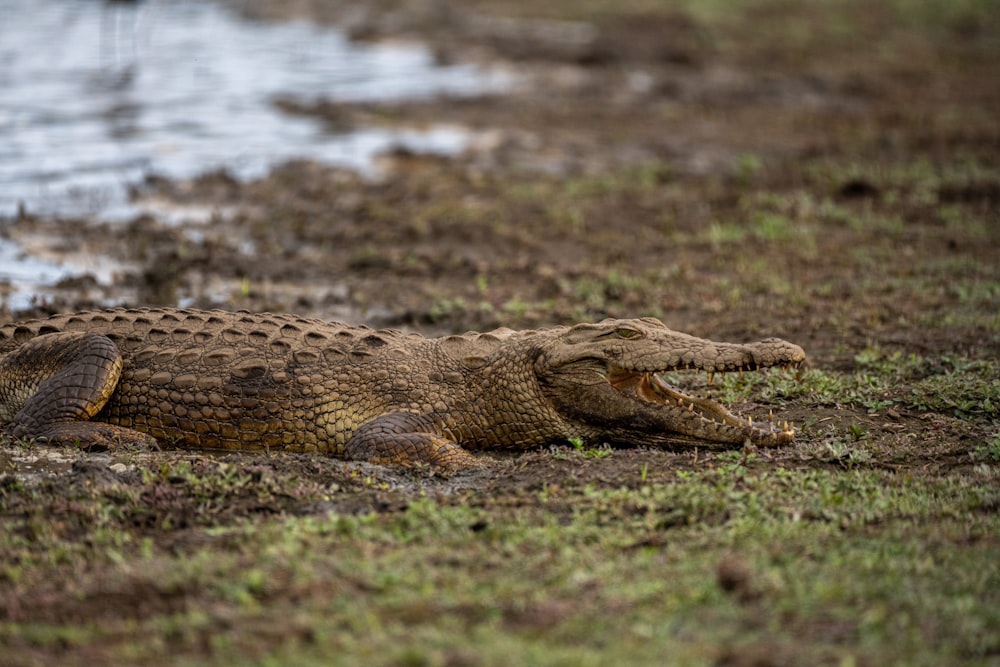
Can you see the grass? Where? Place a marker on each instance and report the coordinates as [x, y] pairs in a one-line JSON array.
[[954, 386], [989, 451], [681, 571]]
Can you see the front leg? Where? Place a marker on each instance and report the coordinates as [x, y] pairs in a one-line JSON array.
[[52, 385], [407, 438]]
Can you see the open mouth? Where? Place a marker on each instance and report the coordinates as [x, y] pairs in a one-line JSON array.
[[698, 417]]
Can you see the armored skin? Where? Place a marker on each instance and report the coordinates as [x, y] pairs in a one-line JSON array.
[[239, 380]]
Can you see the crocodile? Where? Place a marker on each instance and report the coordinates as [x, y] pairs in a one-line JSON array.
[[238, 380]]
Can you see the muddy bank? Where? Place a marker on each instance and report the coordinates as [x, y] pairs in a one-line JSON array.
[[829, 174]]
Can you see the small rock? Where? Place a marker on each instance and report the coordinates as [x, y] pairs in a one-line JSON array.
[[735, 576]]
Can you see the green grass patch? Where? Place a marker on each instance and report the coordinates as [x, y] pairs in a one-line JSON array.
[[989, 451], [950, 385], [864, 566]]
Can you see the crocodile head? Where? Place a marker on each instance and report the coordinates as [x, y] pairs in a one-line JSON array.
[[605, 380]]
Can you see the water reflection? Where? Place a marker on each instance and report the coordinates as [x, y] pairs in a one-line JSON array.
[[97, 94]]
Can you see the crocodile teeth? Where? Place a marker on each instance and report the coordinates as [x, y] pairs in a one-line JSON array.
[[713, 413]]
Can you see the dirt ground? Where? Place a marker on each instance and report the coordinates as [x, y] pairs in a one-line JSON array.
[[734, 182], [829, 176]]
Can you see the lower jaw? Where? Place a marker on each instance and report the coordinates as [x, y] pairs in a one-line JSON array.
[[652, 389]]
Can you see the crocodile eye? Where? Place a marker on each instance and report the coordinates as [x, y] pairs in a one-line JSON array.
[[628, 334]]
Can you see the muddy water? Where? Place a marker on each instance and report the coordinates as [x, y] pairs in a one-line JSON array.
[[95, 95]]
